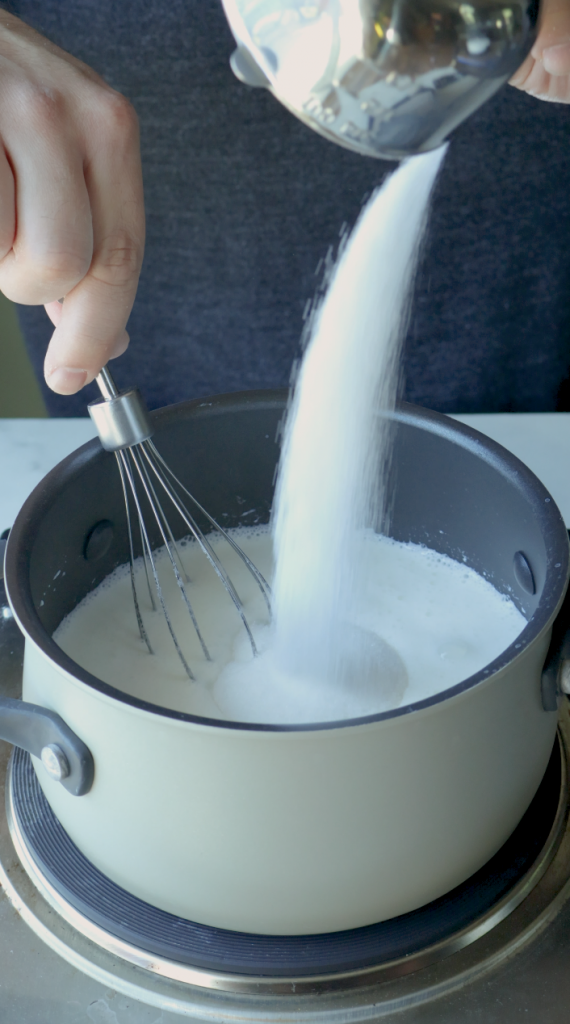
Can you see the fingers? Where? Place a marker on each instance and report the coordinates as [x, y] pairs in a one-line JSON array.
[[53, 245], [556, 59], [546, 71], [91, 327], [554, 27], [54, 311], [71, 207], [7, 205], [67, 380], [534, 79]]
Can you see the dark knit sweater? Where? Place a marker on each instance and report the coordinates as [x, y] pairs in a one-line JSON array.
[[243, 201]]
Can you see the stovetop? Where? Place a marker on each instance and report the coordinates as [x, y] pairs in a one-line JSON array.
[[240, 962], [517, 970]]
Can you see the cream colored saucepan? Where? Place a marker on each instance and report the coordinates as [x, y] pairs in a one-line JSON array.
[[290, 830]]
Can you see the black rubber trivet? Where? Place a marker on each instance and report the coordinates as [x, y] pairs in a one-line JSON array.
[[155, 931]]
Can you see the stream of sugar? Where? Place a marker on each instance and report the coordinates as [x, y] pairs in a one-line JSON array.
[[336, 449]]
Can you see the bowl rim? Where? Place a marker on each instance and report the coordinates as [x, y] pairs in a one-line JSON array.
[[18, 552]]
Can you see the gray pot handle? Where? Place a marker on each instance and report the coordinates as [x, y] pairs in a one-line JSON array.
[[39, 731], [556, 671], [45, 735]]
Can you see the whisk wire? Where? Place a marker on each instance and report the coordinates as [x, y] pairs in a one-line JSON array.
[[158, 587], [146, 570], [140, 623], [257, 575], [206, 548], [163, 519], [165, 529]]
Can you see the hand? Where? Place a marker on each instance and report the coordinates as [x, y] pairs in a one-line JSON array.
[[71, 202], [546, 71]]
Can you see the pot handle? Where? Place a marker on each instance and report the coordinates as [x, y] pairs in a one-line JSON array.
[[44, 734], [41, 732], [556, 672]]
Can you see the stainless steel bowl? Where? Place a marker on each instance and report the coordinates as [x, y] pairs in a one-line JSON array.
[[386, 78]]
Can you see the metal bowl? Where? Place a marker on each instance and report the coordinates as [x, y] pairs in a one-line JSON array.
[[385, 78]]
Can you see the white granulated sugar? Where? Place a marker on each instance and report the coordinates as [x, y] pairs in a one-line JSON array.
[[335, 451]]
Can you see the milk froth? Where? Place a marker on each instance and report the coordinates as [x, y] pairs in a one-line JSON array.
[[427, 622]]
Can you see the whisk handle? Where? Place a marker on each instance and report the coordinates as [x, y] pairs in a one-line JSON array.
[[121, 417], [107, 385]]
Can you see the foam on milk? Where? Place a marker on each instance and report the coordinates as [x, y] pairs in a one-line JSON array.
[[442, 620]]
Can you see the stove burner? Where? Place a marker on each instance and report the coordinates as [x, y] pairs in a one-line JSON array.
[[445, 924]]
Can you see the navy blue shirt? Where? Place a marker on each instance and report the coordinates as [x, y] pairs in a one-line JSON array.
[[243, 201]]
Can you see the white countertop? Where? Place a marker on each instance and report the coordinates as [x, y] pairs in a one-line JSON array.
[[30, 448]]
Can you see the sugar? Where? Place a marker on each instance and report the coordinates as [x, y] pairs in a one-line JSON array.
[[336, 451]]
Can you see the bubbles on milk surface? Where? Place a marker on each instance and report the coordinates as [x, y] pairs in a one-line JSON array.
[[414, 604], [360, 624], [413, 600]]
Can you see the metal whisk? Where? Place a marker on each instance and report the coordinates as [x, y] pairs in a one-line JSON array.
[[124, 427]]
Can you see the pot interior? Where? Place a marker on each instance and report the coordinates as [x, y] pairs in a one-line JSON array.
[[453, 490]]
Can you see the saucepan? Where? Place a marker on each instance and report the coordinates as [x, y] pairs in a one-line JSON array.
[[290, 829]]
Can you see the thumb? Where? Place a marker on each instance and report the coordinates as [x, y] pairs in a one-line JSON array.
[[552, 45]]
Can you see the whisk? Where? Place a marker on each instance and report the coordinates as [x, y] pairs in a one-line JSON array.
[[124, 427]]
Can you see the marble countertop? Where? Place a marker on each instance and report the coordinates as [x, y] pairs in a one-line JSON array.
[[30, 448]]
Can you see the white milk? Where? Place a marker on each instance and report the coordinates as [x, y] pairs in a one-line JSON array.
[[432, 620], [336, 449]]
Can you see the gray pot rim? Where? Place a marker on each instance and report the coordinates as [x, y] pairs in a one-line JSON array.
[[544, 507]]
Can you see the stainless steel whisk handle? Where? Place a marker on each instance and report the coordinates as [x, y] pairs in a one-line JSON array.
[[121, 417]]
